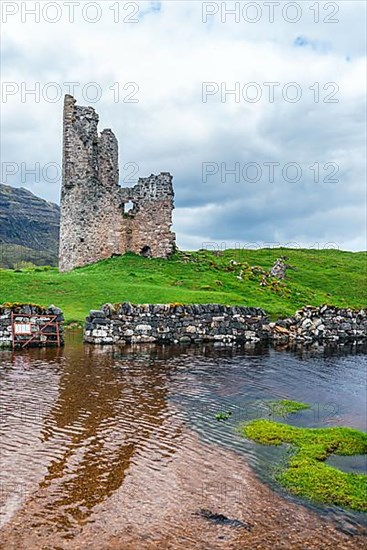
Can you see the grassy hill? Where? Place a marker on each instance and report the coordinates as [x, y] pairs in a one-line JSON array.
[[329, 276]]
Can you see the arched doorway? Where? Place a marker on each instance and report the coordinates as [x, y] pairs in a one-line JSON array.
[[146, 251]]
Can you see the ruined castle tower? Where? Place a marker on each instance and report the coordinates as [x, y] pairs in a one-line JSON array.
[[94, 224]]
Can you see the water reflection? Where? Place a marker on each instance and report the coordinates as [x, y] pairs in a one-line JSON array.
[[105, 413], [76, 420]]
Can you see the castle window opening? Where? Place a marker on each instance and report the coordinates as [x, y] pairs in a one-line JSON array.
[[128, 207]]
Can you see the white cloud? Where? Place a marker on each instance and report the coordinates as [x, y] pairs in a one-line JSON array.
[[169, 54]]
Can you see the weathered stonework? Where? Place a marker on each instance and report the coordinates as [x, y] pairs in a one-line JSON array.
[[173, 323], [94, 224], [184, 324], [322, 324], [29, 313]]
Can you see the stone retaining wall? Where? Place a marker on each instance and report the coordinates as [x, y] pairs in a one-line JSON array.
[[324, 323], [27, 314], [128, 324], [169, 323]]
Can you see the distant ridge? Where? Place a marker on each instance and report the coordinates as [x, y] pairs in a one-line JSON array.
[[29, 228]]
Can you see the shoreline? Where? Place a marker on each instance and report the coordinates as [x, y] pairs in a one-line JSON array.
[[169, 509]]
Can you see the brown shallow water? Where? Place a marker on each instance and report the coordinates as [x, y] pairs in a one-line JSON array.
[[103, 449]]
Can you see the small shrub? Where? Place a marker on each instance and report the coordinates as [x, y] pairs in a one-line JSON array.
[[18, 266]]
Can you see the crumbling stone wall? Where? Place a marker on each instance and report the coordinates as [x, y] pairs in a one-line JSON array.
[[174, 323], [177, 323], [94, 224], [323, 323], [146, 227], [28, 313]]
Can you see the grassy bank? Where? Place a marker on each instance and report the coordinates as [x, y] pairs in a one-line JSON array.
[[306, 473], [329, 276]]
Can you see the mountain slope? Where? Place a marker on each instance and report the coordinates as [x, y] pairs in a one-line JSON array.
[[29, 228]]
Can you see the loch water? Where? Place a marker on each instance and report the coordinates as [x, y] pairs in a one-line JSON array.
[[75, 420]]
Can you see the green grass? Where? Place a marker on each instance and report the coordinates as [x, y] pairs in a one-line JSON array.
[[285, 407], [306, 473], [329, 276]]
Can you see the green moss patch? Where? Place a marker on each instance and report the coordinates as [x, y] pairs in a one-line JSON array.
[[306, 473], [285, 407], [18, 305]]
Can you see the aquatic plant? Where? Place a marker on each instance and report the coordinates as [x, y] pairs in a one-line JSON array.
[[306, 474], [285, 407], [223, 415]]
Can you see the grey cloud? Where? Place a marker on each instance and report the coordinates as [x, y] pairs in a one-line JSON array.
[[170, 129]]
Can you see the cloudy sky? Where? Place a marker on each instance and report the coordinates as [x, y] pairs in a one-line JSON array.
[[259, 114]]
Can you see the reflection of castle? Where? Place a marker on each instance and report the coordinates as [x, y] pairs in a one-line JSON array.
[[105, 415], [94, 224]]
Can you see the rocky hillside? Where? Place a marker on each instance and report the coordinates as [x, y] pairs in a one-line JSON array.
[[29, 228]]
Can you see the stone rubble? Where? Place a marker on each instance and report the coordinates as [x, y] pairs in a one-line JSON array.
[[280, 267], [324, 323]]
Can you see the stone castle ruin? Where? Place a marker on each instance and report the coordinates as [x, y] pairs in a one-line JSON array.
[[95, 222]]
